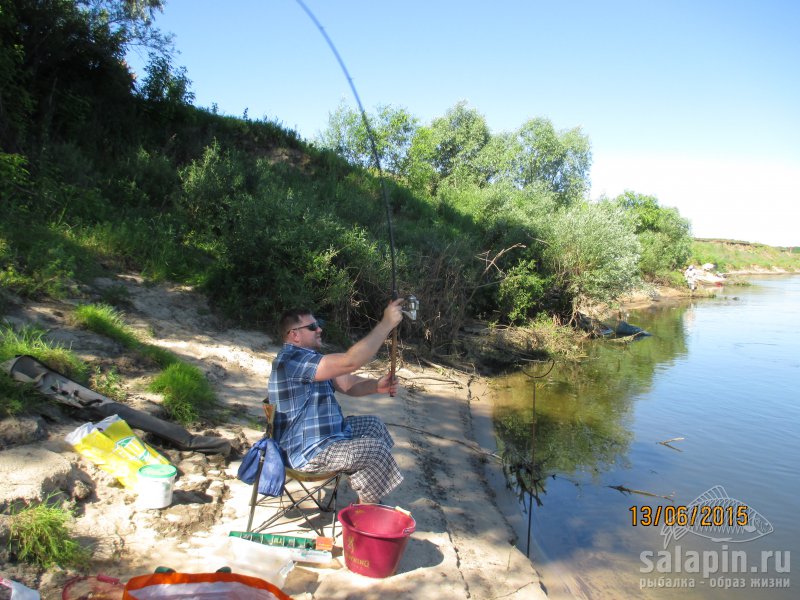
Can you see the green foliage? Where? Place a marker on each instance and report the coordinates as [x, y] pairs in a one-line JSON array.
[[37, 259], [458, 139], [664, 235], [16, 103], [165, 88], [186, 392], [593, 252], [732, 255], [14, 177], [70, 78], [211, 186], [156, 246], [522, 291], [108, 383], [560, 161], [131, 21], [392, 128], [39, 534]]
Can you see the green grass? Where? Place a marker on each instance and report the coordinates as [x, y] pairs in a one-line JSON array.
[[39, 534], [186, 392], [108, 383], [107, 321], [731, 255], [31, 340], [15, 396]]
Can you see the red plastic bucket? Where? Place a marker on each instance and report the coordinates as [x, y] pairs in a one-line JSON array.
[[374, 538]]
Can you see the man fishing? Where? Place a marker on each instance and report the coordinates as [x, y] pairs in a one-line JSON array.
[[309, 425]]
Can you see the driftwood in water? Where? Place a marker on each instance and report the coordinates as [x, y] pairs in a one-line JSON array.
[[627, 490], [668, 445]]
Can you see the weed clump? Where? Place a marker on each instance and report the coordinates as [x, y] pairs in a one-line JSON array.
[[39, 534]]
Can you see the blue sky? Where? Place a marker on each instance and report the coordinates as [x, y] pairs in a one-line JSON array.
[[696, 102]]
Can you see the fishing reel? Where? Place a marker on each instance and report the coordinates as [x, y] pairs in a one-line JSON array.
[[410, 307]]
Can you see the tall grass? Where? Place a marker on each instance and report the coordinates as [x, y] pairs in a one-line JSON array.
[[107, 321]]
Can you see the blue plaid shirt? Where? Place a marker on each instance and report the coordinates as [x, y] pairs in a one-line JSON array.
[[307, 416]]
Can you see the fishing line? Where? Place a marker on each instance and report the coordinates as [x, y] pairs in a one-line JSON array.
[[377, 159], [370, 136], [472, 446]]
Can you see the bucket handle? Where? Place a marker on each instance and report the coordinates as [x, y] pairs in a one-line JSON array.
[[409, 530]]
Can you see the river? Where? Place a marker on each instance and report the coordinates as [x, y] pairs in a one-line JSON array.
[[704, 412]]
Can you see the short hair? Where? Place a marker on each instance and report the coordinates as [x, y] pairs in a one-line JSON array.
[[289, 318]]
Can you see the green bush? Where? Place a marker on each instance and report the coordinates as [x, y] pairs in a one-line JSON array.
[[521, 291], [594, 253]]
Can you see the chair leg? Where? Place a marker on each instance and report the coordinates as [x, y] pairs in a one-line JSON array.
[[254, 495], [314, 496]]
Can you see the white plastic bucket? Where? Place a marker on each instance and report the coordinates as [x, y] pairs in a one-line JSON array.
[[155, 486]]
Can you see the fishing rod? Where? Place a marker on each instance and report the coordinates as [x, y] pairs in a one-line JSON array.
[[412, 304]]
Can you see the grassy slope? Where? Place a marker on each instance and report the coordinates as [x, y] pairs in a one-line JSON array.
[[732, 255]]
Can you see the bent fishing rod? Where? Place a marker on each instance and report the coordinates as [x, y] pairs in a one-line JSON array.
[[412, 304]]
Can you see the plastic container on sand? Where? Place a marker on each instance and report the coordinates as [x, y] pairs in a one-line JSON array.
[[254, 559], [155, 485]]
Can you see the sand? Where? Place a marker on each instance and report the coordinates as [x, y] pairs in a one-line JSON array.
[[463, 547]]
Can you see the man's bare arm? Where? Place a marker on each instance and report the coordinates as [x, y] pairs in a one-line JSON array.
[[333, 365], [355, 385]]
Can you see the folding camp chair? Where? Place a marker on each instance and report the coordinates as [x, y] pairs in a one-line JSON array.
[[312, 491]]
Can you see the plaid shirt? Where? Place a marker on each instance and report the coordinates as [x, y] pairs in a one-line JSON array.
[[307, 416]]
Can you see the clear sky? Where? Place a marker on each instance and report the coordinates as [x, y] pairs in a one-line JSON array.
[[696, 102]]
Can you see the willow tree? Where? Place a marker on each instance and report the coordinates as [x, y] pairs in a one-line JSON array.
[[593, 253], [393, 129]]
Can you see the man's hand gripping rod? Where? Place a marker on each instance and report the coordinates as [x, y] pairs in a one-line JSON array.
[[410, 309]]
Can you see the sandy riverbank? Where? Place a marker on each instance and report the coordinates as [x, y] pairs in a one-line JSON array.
[[462, 547]]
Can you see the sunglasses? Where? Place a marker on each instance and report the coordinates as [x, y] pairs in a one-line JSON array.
[[311, 326]]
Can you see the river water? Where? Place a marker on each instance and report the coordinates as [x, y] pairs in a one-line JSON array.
[[719, 377]]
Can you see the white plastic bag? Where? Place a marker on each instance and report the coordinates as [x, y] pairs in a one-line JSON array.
[[19, 591]]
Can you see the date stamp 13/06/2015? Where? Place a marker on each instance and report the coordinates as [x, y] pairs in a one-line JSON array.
[[689, 516]]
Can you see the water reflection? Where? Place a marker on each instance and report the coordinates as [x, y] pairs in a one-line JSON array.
[[722, 376], [582, 424]]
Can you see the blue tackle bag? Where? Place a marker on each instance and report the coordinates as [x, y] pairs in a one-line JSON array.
[[273, 473]]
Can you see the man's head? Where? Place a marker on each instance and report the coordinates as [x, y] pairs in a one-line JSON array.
[[299, 328]]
